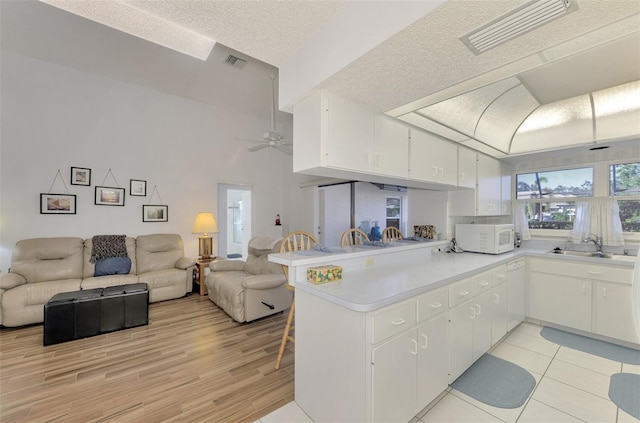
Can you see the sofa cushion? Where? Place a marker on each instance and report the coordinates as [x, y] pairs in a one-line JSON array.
[[48, 259], [263, 281], [158, 251], [113, 266], [111, 280]]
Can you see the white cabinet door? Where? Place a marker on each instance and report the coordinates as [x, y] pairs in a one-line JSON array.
[[499, 315], [391, 147], [349, 135], [482, 324], [489, 189], [461, 338], [559, 299], [505, 182], [394, 379], [467, 159], [433, 353], [432, 159], [614, 312]]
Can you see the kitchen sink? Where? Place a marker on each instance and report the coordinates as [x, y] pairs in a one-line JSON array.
[[591, 254]]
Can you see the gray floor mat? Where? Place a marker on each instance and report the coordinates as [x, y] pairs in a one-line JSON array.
[[591, 346]]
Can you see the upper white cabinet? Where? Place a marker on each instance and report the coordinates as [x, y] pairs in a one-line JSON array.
[[432, 159], [391, 147], [467, 165], [331, 132], [487, 198], [505, 183]]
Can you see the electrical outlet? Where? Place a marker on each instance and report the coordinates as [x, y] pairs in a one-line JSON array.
[[368, 262]]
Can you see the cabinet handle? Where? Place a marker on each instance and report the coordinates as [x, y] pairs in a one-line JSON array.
[[473, 313], [479, 309], [461, 176], [415, 347], [497, 299], [436, 305], [464, 293], [435, 171], [484, 283], [398, 322], [604, 292], [426, 341], [441, 172], [584, 288], [593, 272]]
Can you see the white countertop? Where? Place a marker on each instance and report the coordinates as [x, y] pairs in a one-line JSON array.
[[375, 287]]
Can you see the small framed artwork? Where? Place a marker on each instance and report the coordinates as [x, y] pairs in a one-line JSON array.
[[109, 196], [137, 188], [80, 176], [57, 204], [155, 213]]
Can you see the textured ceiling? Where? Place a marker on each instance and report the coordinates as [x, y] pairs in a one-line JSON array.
[[423, 64]]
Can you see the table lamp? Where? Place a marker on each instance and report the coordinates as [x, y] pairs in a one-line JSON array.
[[205, 224]]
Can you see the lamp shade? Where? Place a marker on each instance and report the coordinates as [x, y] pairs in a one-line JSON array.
[[205, 223]]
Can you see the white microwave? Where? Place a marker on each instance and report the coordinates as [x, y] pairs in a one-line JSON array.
[[488, 239]]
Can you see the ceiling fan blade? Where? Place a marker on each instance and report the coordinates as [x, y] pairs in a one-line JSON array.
[[285, 148], [258, 147], [249, 139]]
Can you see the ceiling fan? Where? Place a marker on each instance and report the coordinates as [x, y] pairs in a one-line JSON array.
[[271, 138]]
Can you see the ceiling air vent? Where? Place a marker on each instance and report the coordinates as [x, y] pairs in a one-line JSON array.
[[235, 62], [517, 22]]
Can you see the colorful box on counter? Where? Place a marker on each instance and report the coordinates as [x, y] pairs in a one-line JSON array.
[[324, 274]]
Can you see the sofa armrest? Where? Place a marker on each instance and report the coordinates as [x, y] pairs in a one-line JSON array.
[[263, 281], [185, 263], [11, 280], [226, 265]]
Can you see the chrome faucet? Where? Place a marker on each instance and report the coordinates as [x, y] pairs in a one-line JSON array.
[[597, 241]]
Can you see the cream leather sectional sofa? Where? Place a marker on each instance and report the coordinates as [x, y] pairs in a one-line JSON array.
[[43, 267]]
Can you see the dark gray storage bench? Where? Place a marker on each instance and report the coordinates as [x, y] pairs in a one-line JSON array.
[[79, 314]]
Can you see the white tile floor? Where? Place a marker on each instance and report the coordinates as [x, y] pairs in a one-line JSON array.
[[571, 386]]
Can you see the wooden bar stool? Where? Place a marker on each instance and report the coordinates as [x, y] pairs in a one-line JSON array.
[[390, 233], [293, 241]]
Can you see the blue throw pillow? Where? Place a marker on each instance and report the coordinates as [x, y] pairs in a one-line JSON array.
[[113, 266]]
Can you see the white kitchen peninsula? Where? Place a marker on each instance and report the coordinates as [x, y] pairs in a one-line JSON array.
[[354, 358], [375, 345]]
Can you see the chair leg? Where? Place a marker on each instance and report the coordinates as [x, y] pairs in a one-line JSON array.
[[285, 335]]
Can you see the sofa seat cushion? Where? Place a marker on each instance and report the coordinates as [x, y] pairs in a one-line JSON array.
[[24, 304], [162, 278], [111, 280], [226, 291]]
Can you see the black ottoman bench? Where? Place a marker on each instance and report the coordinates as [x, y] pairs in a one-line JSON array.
[[79, 314]]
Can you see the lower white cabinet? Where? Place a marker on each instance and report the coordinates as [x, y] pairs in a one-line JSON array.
[[407, 372], [590, 297], [500, 315], [613, 316], [560, 299]]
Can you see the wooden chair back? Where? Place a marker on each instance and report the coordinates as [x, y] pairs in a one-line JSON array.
[[353, 236], [296, 241], [390, 233]]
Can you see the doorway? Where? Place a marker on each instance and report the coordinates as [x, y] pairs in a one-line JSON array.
[[234, 214]]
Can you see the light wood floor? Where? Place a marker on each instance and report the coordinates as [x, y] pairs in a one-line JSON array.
[[192, 363]]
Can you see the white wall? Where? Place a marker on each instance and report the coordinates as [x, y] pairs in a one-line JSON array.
[[428, 208], [55, 118]]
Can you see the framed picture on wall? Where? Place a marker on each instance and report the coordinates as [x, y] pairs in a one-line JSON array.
[[155, 213], [109, 196], [137, 188], [57, 204], [80, 176]]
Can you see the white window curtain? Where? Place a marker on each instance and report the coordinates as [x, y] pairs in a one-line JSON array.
[[599, 216], [520, 222]]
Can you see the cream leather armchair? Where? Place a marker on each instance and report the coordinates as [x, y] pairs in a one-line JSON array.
[[251, 289]]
